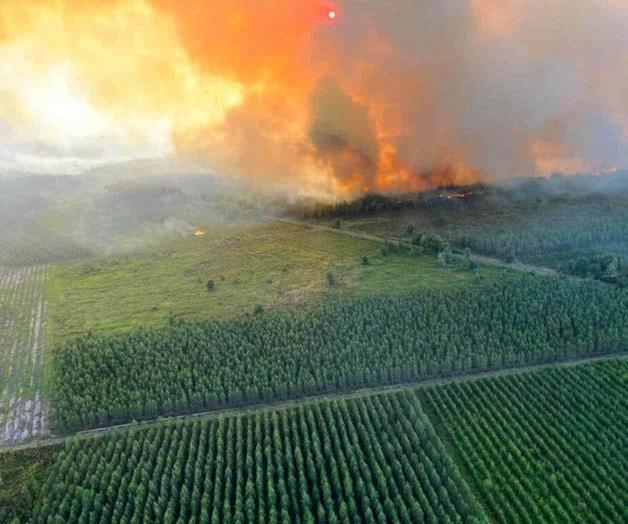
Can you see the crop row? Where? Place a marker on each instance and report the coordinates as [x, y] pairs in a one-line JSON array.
[[542, 447], [38, 247], [22, 322], [192, 366], [375, 459]]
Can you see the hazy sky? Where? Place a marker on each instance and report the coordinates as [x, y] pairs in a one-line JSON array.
[[376, 98]]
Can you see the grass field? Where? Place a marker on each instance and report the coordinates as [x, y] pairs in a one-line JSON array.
[[271, 265], [541, 447], [22, 323]]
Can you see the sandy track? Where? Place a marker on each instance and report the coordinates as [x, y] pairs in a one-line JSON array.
[[22, 319]]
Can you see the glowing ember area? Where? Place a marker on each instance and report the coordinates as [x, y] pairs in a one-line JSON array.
[[199, 232], [393, 99]]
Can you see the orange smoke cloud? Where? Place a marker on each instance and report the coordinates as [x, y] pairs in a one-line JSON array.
[[383, 96]]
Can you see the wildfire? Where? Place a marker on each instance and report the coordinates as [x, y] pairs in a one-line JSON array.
[[347, 95], [199, 232]]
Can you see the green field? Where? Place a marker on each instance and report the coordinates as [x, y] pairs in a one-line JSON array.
[[369, 460], [541, 447], [271, 265]]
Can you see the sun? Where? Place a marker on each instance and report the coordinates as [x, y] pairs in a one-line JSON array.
[[332, 14]]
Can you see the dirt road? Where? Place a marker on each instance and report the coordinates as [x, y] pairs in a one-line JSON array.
[[480, 259], [313, 399]]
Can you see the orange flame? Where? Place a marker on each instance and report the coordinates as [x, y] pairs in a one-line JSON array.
[[236, 84]]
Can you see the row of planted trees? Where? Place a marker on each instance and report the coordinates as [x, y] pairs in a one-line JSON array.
[[375, 459], [193, 366], [538, 240], [542, 447]]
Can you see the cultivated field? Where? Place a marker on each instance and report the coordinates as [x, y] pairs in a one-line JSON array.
[[542, 447], [23, 320], [368, 460], [38, 247], [270, 265]]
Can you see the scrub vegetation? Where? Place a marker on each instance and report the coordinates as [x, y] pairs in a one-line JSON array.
[[274, 265], [556, 222]]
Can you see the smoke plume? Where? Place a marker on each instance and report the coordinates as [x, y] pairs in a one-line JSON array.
[[389, 95]]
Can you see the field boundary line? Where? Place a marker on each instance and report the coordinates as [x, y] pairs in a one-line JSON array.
[[311, 399]]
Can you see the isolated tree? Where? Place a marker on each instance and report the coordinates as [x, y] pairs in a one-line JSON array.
[[433, 244], [416, 239], [446, 257], [468, 263], [210, 285]]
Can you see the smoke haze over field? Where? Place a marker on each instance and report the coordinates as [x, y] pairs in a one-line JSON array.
[[391, 95]]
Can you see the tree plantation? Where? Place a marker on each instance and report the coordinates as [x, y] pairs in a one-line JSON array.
[[375, 459], [540, 240], [193, 366], [542, 447], [297, 334]]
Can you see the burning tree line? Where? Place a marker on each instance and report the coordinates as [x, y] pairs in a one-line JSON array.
[[373, 203]]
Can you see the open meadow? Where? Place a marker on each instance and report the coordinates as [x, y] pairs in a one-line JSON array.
[[270, 265]]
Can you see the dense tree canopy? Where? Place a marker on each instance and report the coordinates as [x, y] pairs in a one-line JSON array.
[[191, 366], [370, 460], [542, 447], [551, 238]]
